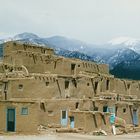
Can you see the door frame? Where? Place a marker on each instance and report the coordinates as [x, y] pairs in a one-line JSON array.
[[14, 118], [135, 117], [72, 123], [66, 119]]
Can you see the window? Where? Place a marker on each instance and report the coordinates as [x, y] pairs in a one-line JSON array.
[[66, 84], [74, 82], [87, 84], [95, 108], [76, 105], [20, 87], [24, 111], [42, 106], [64, 114], [128, 86], [78, 65], [47, 83], [124, 110], [73, 66], [105, 108], [95, 87], [107, 85]]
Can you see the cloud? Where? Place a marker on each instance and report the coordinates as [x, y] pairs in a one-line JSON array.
[[88, 20]]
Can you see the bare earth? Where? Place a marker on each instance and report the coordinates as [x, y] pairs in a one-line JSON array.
[[71, 136]]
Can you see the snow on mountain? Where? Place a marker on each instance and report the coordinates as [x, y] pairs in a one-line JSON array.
[[25, 35], [121, 55], [124, 40], [115, 52]]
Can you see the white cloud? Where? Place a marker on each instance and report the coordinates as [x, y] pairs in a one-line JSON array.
[[89, 20]]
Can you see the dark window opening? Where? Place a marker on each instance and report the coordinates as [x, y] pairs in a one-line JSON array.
[[107, 85], [73, 66], [55, 65], [20, 87], [78, 65], [74, 83], [6, 67], [66, 84], [95, 87], [87, 84], [47, 83], [95, 108], [128, 86], [63, 114], [124, 110], [42, 106], [105, 108], [77, 104]]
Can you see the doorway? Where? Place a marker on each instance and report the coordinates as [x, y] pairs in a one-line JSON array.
[[72, 122], [64, 117], [135, 117], [11, 119]]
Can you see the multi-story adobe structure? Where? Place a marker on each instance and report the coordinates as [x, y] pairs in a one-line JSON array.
[[38, 87]]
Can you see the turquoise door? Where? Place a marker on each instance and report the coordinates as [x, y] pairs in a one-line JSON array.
[[135, 117], [72, 122], [11, 120], [64, 118]]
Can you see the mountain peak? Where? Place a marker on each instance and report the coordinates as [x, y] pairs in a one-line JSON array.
[[25, 35], [127, 41]]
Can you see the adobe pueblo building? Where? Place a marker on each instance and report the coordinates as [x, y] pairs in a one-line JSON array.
[[38, 87]]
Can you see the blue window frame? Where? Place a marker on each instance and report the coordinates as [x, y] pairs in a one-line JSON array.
[[24, 111]]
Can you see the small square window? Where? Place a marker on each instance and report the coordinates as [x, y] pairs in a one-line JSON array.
[[20, 87], [47, 83], [124, 110], [24, 111]]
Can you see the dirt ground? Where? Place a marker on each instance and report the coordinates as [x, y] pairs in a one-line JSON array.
[[70, 136]]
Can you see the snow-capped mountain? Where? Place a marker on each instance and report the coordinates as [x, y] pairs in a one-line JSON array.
[[128, 69], [126, 42], [115, 52]]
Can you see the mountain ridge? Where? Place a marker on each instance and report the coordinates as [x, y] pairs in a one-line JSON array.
[[114, 54]]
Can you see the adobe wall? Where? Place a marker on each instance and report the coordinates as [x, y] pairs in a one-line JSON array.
[[49, 86], [51, 115], [120, 87], [34, 59], [11, 46], [35, 89], [124, 111], [24, 123], [90, 121]]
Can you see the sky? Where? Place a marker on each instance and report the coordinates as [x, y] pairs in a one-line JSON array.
[[93, 21]]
